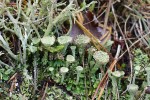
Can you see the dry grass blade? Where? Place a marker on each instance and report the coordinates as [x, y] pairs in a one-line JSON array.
[[12, 77], [104, 80], [43, 97], [133, 44], [98, 46], [107, 35], [13, 85], [107, 14], [94, 40]]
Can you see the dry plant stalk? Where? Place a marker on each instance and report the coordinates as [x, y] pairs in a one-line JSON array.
[[94, 40], [104, 80], [99, 47], [105, 77], [12, 77], [107, 15], [43, 97]]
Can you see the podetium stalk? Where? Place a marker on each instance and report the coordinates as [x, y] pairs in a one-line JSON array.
[[63, 71], [79, 69]]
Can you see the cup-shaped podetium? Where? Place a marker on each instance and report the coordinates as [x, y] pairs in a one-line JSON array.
[[136, 71], [101, 58], [73, 50], [91, 51], [132, 89], [115, 77], [48, 40], [79, 69], [64, 39], [63, 71], [69, 59], [118, 74], [81, 41], [108, 44], [51, 69]]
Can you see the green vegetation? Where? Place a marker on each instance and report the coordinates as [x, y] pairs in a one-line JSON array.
[[74, 50]]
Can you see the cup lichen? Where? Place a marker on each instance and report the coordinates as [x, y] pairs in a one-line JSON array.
[[48, 40], [63, 71], [64, 39], [79, 69], [69, 59], [101, 58]]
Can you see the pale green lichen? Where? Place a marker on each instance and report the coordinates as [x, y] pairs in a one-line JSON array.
[[35, 40], [73, 50], [51, 69], [132, 89], [48, 40], [115, 77], [64, 39], [101, 57], [91, 51], [63, 71], [118, 74], [147, 69], [79, 70], [82, 40], [70, 58]]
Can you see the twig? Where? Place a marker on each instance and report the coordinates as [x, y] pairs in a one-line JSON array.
[[94, 40], [107, 14], [123, 39], [105, 77], [133, 45], [12, 77], [44, 91], [13, 85]]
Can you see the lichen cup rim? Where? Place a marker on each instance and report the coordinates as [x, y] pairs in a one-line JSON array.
[[118, 74], [64, 70], [79, 68], [70, 58], [101, 57], [64, 39]]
